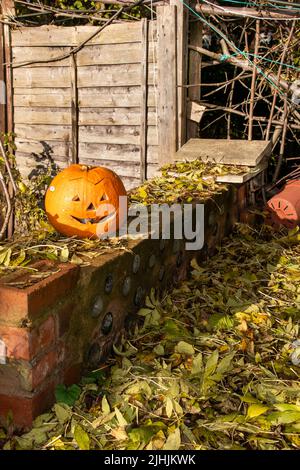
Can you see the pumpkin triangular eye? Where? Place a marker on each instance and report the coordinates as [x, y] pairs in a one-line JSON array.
[[104, 198], [76, 198], [91, 207]]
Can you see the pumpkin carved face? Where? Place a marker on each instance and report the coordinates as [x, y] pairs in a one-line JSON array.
[[84, 201]]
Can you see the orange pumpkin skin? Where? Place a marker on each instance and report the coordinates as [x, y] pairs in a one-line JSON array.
[[77, 201]]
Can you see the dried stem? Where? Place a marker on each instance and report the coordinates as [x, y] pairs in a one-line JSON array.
[[254, 73]]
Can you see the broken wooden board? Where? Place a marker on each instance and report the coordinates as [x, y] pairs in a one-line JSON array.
[[229, 152], [243, 177]]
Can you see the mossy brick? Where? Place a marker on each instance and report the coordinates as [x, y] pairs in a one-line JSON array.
[[26, 343], [19, 306], [25, 407]]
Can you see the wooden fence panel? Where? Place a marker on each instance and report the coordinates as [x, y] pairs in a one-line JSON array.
[[108, 104]]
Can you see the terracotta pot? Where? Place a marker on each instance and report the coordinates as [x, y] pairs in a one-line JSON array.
[[284, 207]]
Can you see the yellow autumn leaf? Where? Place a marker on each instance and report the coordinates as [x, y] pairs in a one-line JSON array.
[[256, 410]]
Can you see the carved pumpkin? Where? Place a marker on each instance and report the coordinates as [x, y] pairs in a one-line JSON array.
[[84, 201]]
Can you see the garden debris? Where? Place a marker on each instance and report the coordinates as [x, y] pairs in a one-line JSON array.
[[36, 239], [210, 366], [184, 182]]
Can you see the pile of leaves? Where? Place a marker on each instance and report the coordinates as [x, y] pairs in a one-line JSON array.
[[184, 182], [35, 239], [213, 365]]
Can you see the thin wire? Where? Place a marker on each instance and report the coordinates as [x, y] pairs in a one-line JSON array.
[[215, 5], [288, 6], [211, 26]]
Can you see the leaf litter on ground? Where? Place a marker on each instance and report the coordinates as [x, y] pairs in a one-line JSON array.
[[210, 365]]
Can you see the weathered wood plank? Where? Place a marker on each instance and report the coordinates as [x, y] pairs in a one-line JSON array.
[[42, 77], [244, 177], [116, 152], [58, 148], [114, 116], [144, 101], [43, 116], [167, 83], [89, 55], [74, 109], [87, 116], [232, 152], [2, 82], [95, 76], [102, 97], [116, 135], [124, 168], [62, 150], [195, 60], [43, 132], [182, 64], [73, 36], [113, 75]]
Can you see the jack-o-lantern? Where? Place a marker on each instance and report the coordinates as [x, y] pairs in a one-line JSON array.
[[84, 201]]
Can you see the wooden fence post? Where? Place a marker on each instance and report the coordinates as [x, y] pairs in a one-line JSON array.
[[182, 66], [74, 109], [195, 59], [167, 83], [8, 7], [144, 102], [2, 82]]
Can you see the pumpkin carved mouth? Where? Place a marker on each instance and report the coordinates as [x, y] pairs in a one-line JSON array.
[[93, 220]]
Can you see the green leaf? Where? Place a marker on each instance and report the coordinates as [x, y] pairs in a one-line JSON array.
[[284, 417], [174, 440], [220, 321], [197, 364], [256, 410], [82, 438], [63, 412], [64, 255], [225, 363], [159, 350], [121, 420], [169, 407], [105, 406], [67, 395], [211, 363], [185, 348]]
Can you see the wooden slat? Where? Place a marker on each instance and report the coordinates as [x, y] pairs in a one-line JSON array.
[[195, 60], [47, 77], [244, 177], [167, 83], [74, 109], [43, 132], [144, 101], [89, 55], [114, 116], [43, 116], [123, 168], [73, 36], [2, 82], [116, 152], [182, 63], [116, 134], [102, 97], [60, 149], [113, 75], [96, 76], [87, 116], [231, 152]]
